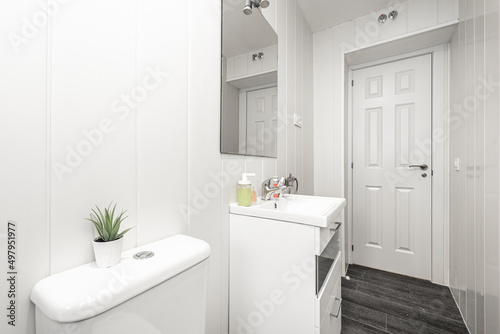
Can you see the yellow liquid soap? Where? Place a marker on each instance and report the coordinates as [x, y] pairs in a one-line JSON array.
[[244, 196]]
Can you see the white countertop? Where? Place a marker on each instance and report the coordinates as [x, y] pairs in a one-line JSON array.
[[308, 210]]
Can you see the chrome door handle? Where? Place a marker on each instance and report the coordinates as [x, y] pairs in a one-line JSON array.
[[338, 310], [422, 167]]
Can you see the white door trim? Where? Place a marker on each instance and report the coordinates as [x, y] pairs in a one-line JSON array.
[[440, 182]]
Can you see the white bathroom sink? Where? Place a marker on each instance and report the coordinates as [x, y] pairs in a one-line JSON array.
[[309, 210]]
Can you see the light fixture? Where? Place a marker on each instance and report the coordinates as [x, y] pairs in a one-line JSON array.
[[392, 15], [249, 4], [259, 55], [247, 10]]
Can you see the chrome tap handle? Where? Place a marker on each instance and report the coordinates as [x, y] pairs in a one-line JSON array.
[[282, 182], [290, 181]]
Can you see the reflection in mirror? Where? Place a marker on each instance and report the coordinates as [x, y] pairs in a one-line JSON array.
[[249, 111]]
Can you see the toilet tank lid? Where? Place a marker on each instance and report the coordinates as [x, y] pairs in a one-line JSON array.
[[86, 291]]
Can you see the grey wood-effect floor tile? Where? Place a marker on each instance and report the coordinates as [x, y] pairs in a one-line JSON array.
[[440, 303], [379, 279], [403, 326], [397, 310], [350, 326], [391, 276], [364, 315], [410, 305], [349, 284], [385, 293], [424, 302]]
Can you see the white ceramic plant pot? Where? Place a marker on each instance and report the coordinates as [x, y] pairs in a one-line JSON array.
[[107, 254]]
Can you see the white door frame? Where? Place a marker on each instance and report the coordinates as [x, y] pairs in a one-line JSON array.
[[440, 154]]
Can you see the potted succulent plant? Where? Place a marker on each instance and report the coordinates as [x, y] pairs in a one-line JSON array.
[[108, 245]]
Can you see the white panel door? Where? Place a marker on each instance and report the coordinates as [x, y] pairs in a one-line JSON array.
[[391, 199], [262, 113]]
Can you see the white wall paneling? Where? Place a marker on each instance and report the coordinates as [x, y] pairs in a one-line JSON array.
[[23, 145], [90, 69], [474, 187], [103, 112], [162, 123], [491, 168], [204, 159], [323, 115], [92, 114]]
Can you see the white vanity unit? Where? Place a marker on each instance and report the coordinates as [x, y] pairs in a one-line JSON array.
[[285, 266]]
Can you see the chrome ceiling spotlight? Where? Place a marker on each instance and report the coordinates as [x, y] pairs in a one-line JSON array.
[[247, 10], [249, 4], [382, 18], [264, 3], [393, 14]]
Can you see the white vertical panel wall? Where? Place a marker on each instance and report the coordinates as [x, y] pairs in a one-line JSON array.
[[162, 120], [475, 187], [23, 149], [126, 109], [94, 110], [204, 159], [89, 68]]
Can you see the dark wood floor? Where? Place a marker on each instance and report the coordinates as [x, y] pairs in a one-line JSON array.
[[379, 302]]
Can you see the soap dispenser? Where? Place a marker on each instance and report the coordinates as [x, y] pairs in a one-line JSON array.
[[245, 190]]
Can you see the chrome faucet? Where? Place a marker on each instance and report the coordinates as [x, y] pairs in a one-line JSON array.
[[272, 186]]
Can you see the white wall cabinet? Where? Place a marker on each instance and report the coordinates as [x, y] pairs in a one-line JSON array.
[[275, 270]]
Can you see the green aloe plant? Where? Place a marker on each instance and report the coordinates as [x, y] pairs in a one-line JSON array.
[[107, 225]]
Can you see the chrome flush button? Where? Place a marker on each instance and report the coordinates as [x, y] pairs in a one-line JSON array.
[[143, 255]]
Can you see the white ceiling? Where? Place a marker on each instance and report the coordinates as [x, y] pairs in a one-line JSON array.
[[244, 33], [323, 14]]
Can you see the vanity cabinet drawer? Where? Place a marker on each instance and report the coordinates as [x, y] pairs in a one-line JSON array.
[[332, 321], [328, 291], [325, 234]]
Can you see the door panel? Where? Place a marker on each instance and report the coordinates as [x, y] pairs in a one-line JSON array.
[[391, 200], [262, 121]]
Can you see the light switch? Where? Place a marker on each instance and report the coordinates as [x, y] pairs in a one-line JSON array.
[[297, 120], [457, 164]]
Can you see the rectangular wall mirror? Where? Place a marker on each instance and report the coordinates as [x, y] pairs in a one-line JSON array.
[[249, 100]]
